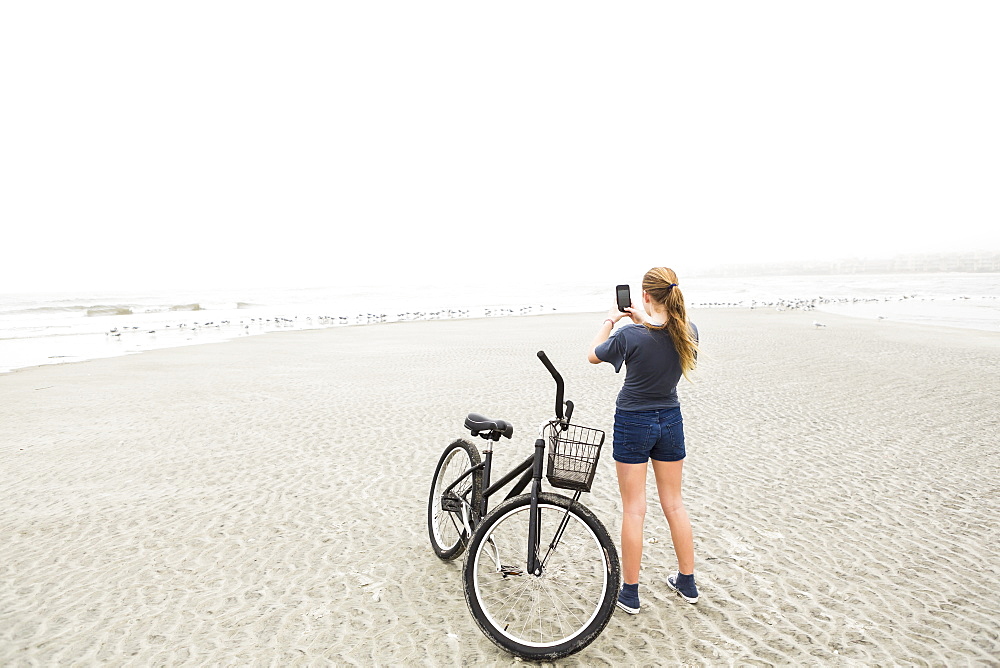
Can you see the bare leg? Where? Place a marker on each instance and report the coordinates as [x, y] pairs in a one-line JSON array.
[[668, 486], [632, 485]]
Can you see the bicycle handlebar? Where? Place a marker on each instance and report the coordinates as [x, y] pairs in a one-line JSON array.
[[559, 383]]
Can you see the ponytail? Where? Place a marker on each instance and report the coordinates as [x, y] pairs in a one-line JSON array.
[[661, 284]]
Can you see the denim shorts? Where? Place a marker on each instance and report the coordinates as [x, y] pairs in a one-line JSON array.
[[641, 435]]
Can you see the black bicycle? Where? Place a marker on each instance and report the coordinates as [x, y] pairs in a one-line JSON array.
[[542, 574]]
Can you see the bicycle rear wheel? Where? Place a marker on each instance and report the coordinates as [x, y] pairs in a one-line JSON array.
[[445, 521], [565, 608]]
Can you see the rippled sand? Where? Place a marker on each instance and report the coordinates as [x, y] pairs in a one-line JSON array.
[[263, 501]]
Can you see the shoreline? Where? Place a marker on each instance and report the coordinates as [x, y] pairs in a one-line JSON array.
[[215, 334], [43, 328], [264, 500]]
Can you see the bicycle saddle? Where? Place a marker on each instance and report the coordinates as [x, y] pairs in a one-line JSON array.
[[494, 429]]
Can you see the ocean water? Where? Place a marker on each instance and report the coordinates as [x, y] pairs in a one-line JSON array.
[[964, 300], [37, 329]]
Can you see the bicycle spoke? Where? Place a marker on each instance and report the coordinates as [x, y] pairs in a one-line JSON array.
[[557, 604], [511, 600], [505, 596], [558, 610], [451, 516], [552, 607], [560, 605], [443, 517], [505, 592], [446, 511]]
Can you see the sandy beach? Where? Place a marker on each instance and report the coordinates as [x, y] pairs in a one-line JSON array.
[[263, 501]]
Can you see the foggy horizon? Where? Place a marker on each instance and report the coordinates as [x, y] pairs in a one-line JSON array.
[[224, 144]]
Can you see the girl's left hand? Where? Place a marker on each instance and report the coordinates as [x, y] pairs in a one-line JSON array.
[[637, 314]]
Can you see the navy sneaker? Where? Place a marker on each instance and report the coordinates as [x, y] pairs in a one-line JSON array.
[[684, 586], [628, 599]]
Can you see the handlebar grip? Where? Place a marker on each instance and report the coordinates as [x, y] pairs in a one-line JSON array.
[[559, 382]]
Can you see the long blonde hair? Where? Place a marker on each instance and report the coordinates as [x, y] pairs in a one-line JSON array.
[[661, 285]]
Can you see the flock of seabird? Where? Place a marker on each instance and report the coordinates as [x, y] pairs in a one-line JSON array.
[[811, 304], [310, 322]]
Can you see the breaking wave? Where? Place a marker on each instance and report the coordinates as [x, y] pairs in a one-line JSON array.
[[102, 310], [97, 310]]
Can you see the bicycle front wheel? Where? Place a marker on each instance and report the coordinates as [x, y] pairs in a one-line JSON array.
[[554, 614], [446, 510]]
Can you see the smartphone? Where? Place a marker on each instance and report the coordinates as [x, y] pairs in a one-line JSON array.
[[624, 297]]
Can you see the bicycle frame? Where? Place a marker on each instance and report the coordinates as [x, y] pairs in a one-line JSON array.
[[530, 470], [526, 468]]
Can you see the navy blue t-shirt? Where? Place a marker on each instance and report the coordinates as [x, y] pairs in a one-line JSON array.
[[653, 367]]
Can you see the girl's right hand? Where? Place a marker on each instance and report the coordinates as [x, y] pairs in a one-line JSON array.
[[614, 315]]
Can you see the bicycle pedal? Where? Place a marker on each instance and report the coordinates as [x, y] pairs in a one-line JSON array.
[[510, 570]]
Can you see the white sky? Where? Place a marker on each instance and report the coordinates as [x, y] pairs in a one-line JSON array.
[[319, 143]]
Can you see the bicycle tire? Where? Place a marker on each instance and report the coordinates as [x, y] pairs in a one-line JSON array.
[[500, 600], [446, 528]]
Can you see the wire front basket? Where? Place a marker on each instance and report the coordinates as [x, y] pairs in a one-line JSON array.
[[573, 455]]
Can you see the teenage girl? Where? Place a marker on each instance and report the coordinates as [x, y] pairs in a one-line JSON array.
[[657, 349]]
